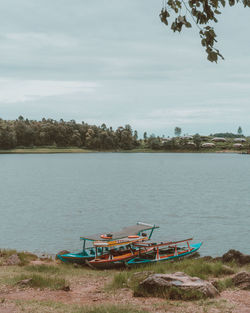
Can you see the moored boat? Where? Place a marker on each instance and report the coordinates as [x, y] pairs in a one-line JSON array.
[[106, 241], [164, 251], [118, 254]]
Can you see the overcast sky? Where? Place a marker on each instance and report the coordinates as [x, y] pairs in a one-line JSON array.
[[113, 61]]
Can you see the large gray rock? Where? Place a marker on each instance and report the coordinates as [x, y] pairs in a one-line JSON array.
[[176, 286], [236, 256], [242, 280]]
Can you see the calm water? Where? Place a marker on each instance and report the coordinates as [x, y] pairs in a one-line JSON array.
[[48, 201]]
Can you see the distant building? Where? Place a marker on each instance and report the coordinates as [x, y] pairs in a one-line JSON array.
[[166, 139], [239, 140], [187, 137], [219, 139], [191, 144], [208, 145], [238, 145]]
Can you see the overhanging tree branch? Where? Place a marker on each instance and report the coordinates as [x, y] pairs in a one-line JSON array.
[[202, 12]]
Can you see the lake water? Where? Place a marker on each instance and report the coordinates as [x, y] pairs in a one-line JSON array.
[[48, 201]]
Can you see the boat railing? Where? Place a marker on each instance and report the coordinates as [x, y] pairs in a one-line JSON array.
[[167, 243]]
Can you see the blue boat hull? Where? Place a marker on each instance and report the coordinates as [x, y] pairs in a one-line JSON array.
[[194, 248], [80, 257]]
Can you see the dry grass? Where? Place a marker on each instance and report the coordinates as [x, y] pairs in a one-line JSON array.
[[58, 307]]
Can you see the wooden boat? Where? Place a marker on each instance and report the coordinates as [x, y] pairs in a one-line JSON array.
[[107, 241], [119, 253], [164, 251]]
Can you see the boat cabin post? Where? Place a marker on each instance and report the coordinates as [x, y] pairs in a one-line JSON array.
[[188, 246], [84, 245], [151, 233]]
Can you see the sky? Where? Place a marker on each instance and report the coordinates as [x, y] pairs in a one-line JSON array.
[[114, 62]]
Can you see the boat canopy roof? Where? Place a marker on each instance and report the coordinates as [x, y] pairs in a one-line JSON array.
[[124, 232]]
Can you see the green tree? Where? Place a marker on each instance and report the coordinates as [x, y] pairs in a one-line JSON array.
[[199, 12], [135, 135], [197, 141], [154, 142], [177, 131], [239, 130], [145, 136]]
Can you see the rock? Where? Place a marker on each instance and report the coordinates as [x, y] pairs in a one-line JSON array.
[[62, 252], [140, 276], [237, 256], [242, 280], [13, 260], [66, 288], [176, 286], [24, 282]]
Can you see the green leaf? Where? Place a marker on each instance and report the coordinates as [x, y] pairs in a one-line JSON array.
[[223, 2]]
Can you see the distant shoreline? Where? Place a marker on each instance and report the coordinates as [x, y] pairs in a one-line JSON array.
[[53, 150]]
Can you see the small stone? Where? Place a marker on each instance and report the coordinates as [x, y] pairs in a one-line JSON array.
[[66, 288]]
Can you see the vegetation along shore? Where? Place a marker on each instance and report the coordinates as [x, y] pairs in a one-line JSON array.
[[31, 284], [50, 136]]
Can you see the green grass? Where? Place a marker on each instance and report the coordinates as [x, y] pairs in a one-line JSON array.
[[43, 269], [193, 267], [25, 257], [41, 281], [58, 307], [224, 284], [120, 280], [46, 150], [173, 293]]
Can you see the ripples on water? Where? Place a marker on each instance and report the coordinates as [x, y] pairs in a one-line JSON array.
[[48, 201]]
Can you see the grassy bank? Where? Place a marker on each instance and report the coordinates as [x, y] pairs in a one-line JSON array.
[[48, 150], [94, 291]]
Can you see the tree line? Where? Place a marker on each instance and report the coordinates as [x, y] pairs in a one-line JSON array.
[[48, 132]]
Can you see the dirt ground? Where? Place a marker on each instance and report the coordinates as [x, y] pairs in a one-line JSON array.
[[91, 292]]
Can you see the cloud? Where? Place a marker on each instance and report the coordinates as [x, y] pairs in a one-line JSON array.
[[16, 91], [115, 62]]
